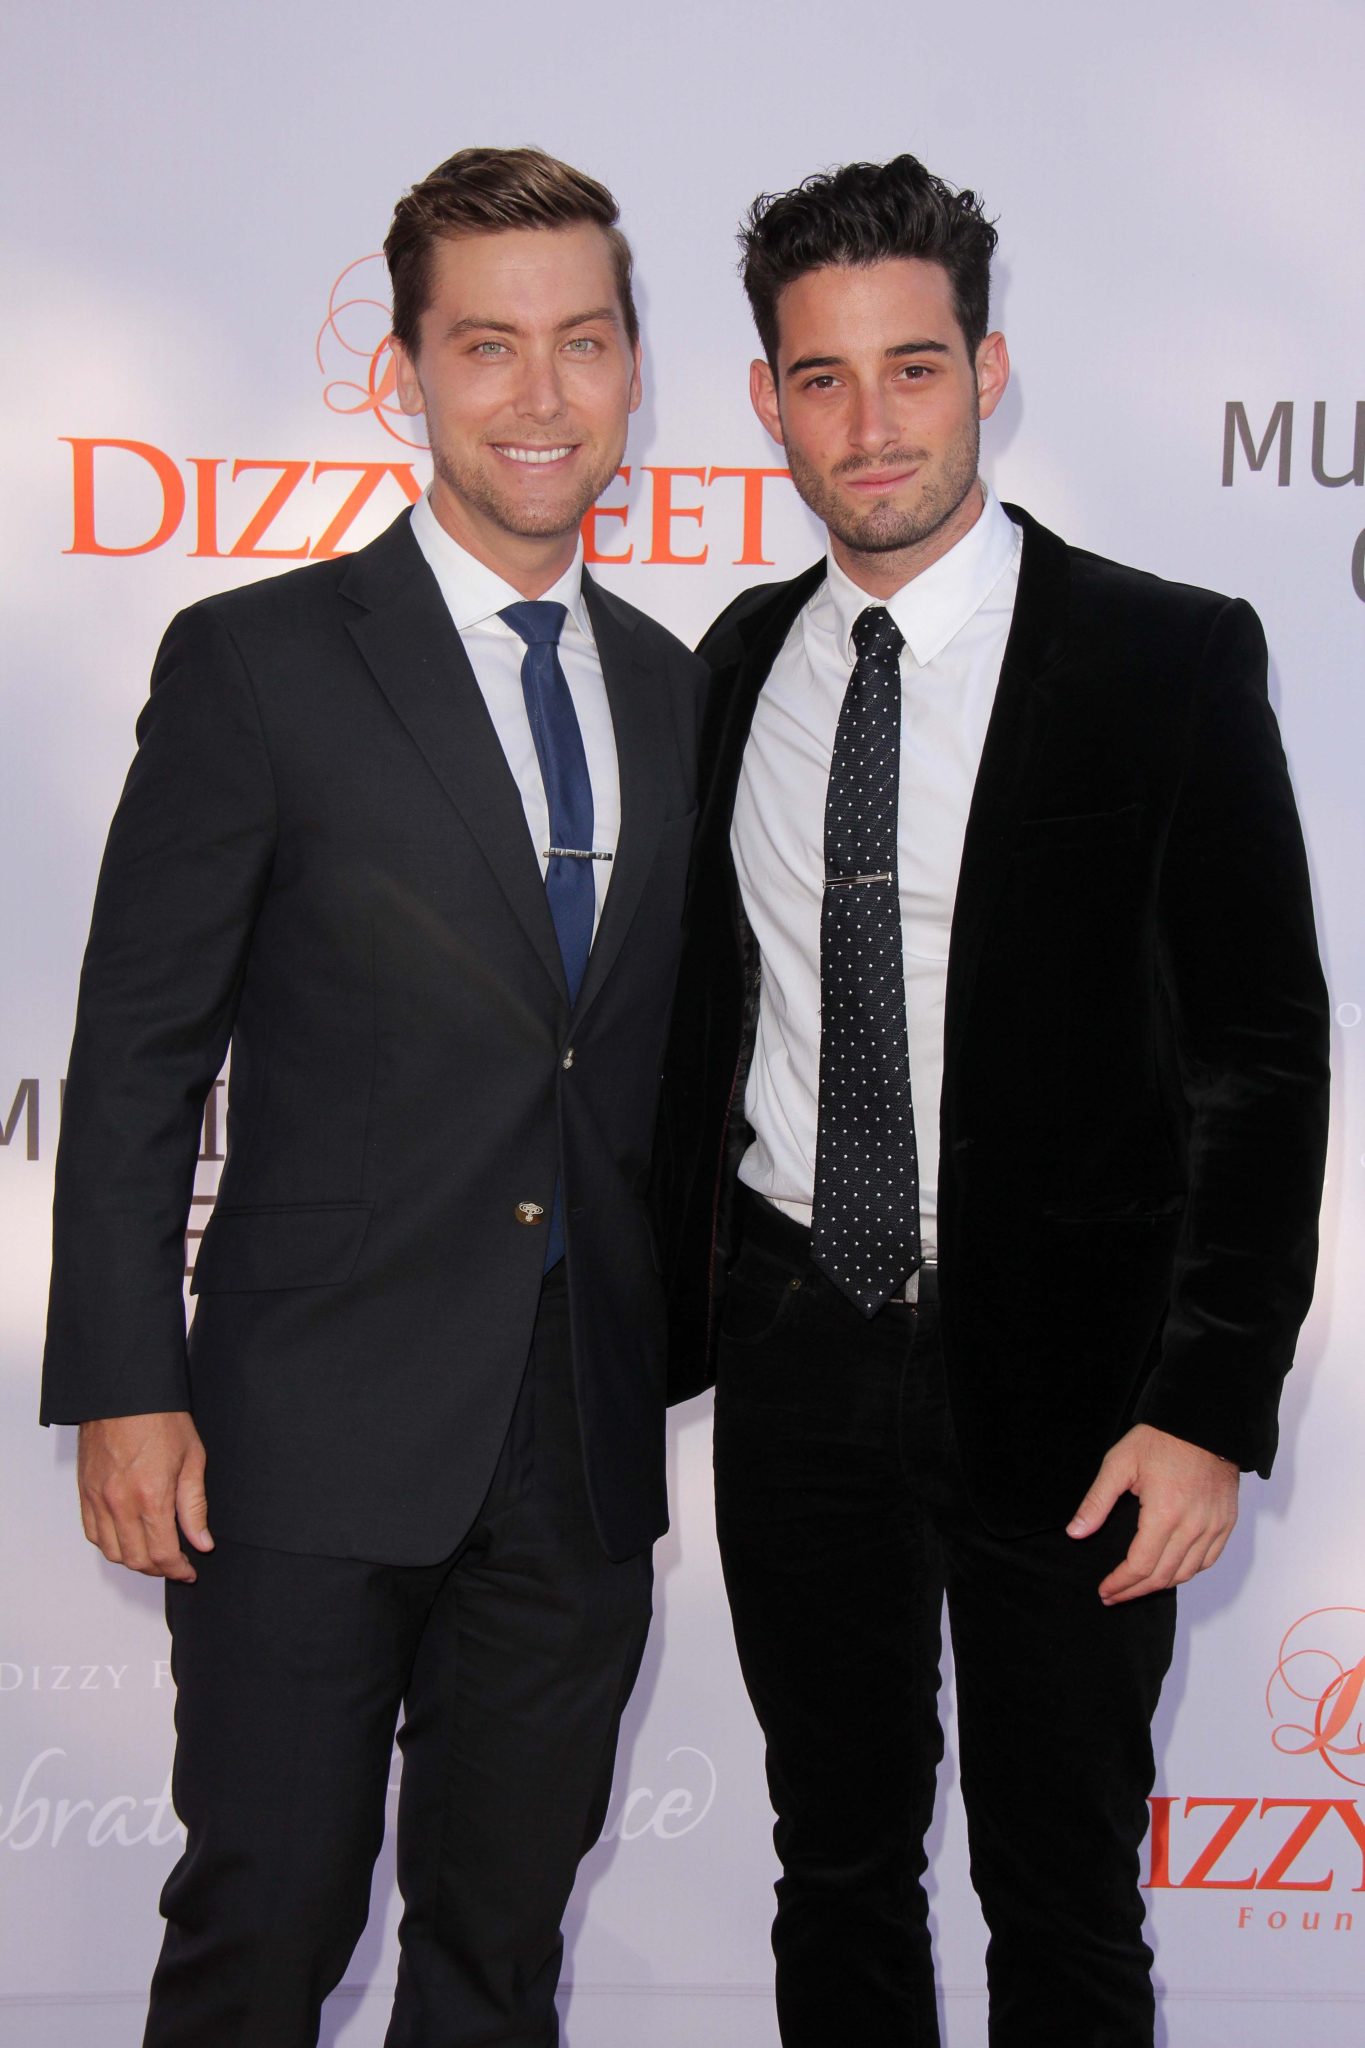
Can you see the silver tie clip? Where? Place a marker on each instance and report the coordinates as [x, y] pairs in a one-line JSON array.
[[847, 881], [573, 853]]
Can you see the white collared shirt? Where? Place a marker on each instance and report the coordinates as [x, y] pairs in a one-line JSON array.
[[955, 618], [474, 595]]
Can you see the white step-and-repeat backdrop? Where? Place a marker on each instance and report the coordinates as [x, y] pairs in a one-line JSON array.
[[193, 196]]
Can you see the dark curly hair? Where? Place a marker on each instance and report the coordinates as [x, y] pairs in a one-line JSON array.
[[866, 213]]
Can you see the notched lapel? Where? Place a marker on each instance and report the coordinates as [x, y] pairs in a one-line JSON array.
[[404, 632], [1019, 717], [761, 634], [642, 726]]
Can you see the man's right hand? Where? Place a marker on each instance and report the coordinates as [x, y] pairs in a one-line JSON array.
[[138, 1475]]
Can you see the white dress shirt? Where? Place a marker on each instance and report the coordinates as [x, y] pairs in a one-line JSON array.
[[955, 619], [475, 595]]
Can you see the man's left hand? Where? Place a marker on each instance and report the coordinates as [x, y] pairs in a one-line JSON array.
[[1188, 1509]]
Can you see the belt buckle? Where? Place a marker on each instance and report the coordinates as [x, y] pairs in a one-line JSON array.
[[910, 1292]]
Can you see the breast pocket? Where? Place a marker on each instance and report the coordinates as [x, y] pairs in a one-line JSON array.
[[281, 1245], [678, 831], [668, 868], [1097, 829]]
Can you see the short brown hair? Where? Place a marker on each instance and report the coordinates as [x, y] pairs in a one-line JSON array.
[[863, 214], [484, 192]]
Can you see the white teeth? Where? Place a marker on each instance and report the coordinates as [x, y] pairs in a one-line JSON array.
[[535, 454]]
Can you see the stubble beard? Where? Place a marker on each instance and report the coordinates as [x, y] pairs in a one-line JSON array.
[[886, 528], [473, 486]]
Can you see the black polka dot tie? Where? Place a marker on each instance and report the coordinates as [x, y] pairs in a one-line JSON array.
[[865, 1223]]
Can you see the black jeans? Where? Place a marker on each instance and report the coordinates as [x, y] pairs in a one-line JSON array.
[[844, 1521], [512, 1661]]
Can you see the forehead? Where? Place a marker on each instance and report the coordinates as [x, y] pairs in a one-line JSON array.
[[847, 307], [522, 274]]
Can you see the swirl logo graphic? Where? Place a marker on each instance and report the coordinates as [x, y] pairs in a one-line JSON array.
[[356, 331], [1319, 1681]]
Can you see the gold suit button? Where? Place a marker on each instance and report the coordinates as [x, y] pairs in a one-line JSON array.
[[528, 1212]]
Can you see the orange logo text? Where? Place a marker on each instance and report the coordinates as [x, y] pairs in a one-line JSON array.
[[1260, 1845], [278, 509], [1315, 1691]]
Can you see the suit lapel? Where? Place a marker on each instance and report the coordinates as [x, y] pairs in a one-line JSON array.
[[641, 714], [641, 719], [1018, 723], [1023, 704], [761, 635], [404, 632]]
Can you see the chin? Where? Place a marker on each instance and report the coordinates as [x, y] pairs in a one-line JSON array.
[[881, 536], [546, 525]]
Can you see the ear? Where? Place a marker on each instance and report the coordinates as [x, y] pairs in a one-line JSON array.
[[763, 398], [410, 396], [637, 389], [992, 373]]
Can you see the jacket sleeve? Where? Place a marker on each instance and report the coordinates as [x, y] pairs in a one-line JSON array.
[[1239, 961], [184, 870]]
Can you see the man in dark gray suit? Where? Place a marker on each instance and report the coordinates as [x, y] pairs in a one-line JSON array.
[[407, 830]]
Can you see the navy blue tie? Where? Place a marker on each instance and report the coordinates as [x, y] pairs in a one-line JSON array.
[[569, 885], [564, 772]]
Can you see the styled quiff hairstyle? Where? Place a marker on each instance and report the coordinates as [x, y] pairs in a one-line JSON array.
[[484, 192], [862, 214]]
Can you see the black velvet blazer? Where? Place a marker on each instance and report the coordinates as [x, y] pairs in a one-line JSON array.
[[1134, 1106]]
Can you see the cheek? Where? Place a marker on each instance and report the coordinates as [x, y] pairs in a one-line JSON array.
[[602, 413], [457, 419], [814, 439]]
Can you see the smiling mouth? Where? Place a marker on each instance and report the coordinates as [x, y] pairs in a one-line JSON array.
[[534, 455]]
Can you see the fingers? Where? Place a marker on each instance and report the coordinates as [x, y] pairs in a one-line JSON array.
[[1188, 1507], [1170, 1548], [129, 1471], [141, 1536], [1151, 1565], [191, 1502], [102, 1531], [1114, 1478]]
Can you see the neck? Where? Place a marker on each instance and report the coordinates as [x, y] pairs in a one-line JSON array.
[[531, 562], [882, 573]]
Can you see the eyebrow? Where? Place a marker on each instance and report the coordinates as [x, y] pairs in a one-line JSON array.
[[902, 348], [472, 324]]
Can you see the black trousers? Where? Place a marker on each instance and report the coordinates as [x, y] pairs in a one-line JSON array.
[[512, 1662], [843, 1521]]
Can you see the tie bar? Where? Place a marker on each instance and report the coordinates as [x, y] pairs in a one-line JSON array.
[[572, 853], [848, 881]]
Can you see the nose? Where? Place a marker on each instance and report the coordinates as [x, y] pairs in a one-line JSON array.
[[541, 396], [871, 427]]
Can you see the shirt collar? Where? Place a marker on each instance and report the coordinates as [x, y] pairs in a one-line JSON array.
[[934, 606], [474, 593]]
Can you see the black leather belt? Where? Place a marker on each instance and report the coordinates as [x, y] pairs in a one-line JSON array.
[[774, 1231]]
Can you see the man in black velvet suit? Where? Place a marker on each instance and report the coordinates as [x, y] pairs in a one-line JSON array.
[[992, 1145], [410, 831]]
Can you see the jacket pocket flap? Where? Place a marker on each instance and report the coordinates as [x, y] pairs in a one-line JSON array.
[[287, 1245], [1147, 1210]]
